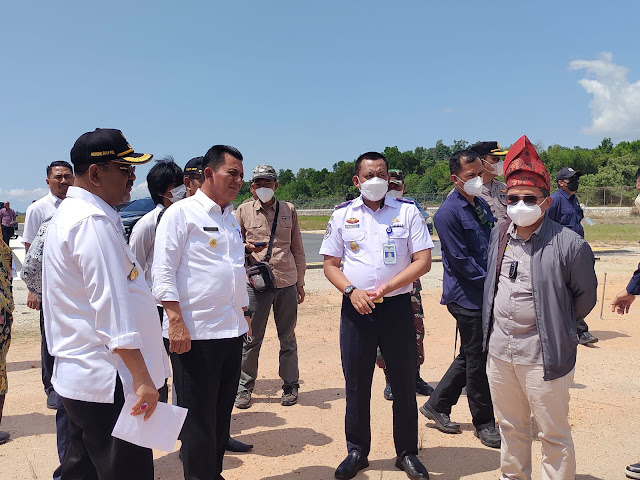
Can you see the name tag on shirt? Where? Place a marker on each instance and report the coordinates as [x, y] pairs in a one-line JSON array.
[[210, 229], [389, 252]]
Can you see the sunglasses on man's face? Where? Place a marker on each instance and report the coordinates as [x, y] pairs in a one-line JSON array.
[[527, 199], [130, 169]]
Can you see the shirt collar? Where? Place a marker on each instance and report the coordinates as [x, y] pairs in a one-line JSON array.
[[512, 231], [209, 204], [257, 205], [566, 195], [95, 200], [55, 200], [386, 202]]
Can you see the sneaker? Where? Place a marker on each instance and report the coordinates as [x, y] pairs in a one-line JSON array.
[[388, 394], [4, 437], [489, 436], [443, 421], [289, 395], [585, 338], [423, 388], [633, 471], [52, 400], [243, 399]]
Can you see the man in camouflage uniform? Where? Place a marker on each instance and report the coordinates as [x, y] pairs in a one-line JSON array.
[[397, 189]]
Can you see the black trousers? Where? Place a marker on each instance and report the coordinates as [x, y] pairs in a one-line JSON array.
[[390, 327], [206, 382], [468, 369], [93, 453], [46, 359], [7, 233], [581, 326]]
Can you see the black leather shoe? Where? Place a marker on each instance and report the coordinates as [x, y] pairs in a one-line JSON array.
[[633, 471], [351, 465], [4, 437], [586, 338], [52, 400], [422, 387], [443, 422], [412, 467], [234, 445], [388, 394], [489, 436]]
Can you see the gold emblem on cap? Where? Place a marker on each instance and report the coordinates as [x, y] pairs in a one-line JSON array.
[[213, 242], [353, 246], [134, 273]]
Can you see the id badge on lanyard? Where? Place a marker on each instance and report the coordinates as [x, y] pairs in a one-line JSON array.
[[389, 250]]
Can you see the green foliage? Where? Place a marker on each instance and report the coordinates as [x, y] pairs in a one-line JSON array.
[[606, 169]]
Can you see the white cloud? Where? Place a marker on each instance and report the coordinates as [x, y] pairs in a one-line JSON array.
[[139, 191], [615, 106], [20, 198]]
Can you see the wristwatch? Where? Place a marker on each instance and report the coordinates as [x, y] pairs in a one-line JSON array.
[[349, 290], [248, 313]]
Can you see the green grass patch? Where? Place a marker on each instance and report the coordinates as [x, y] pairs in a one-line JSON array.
[[313, 222], [611, 233]]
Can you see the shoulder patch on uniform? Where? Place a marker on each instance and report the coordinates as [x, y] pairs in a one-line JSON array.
[[343, 204], [405, 200]]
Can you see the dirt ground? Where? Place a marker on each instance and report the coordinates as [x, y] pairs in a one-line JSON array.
[[306, 441]]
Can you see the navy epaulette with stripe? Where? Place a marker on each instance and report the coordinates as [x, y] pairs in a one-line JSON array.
[[405, 200], [342, 205]]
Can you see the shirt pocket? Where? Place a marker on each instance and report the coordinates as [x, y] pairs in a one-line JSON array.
[[474, 239], [285, 221], [400, 238], [354, 241]]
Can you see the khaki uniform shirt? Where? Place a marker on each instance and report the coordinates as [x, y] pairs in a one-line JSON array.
[[287, 256], [495, 194], [515, 335]]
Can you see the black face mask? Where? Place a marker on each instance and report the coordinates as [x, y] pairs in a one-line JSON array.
[[572, 184]]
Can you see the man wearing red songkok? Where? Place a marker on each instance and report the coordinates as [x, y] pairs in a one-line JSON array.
[[540, 278]]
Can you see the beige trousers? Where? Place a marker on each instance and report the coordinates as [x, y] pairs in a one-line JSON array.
[[517, 392]]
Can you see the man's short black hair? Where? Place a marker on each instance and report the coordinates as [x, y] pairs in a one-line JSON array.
[[637, 173], [164, 173], [215, 156], [371, 156], [58, 163], [455, 162]]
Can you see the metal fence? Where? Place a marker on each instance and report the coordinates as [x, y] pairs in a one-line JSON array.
[[612, 196]]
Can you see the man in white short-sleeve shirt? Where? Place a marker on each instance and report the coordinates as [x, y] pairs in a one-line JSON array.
[[97, 310], [198, 274], [385, 246]]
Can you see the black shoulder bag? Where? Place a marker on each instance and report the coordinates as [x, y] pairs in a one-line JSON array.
[[260, 274]]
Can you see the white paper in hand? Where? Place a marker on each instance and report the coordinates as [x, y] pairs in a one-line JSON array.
[[160, 431]]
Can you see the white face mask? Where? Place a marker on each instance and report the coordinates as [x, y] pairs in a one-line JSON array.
[[637, 202], [498, 168], [177, 193], [374, 189], [472, 187], [264, 194], [524, 215], [395, 193]]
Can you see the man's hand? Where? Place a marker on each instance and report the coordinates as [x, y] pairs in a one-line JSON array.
[[379, 293], [248, 319], [361, 301], [179, 337], [251, 248], [301, 294], [147, 398], [33, 302], [622, 302]]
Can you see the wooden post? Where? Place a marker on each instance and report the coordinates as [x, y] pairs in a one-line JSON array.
[[604, 285]]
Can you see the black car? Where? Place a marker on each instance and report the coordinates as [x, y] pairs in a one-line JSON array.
[[425, 216], [134, 212]]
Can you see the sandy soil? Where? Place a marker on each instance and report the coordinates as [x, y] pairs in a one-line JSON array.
[[306, 441]]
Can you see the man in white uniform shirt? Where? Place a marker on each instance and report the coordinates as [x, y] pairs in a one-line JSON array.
[[199, 276], [97, 311], [59, 179], [385, 246]]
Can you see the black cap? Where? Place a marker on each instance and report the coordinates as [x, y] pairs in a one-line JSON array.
[[103, 145], [487, 148], [194, 166], [567, 172]]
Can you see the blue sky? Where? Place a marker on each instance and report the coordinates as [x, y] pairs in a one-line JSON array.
[[306, 84]]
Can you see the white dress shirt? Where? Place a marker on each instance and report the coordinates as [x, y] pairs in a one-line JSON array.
[[93, 304], [143, 238], [359, 235], [199, 262], [36, 214]]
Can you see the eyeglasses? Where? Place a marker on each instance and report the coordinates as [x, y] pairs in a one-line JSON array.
[[527, 199], [130, 169]]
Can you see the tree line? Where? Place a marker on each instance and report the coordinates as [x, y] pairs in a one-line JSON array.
[[426, 172]]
